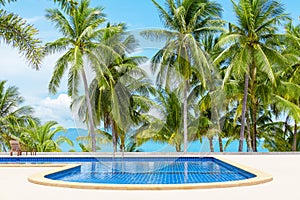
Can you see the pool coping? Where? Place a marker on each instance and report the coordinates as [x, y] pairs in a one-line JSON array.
[[261, 177]]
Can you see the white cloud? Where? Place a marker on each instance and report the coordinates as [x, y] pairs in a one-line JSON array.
[[57, 109], [35, 19], [33, 86], [61, 102]]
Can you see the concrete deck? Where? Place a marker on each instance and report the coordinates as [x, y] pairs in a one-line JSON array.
[[284, 169]]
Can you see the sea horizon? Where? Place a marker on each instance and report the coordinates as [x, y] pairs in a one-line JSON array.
[[151, 146]]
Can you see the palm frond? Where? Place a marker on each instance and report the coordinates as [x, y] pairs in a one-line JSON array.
[[16, 32]]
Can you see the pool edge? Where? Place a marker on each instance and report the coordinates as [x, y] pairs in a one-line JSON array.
[[261, 177]]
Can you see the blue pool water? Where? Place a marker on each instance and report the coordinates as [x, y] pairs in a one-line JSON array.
[[146, 170]]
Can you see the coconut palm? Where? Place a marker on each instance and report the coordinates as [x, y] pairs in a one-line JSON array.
[[171, 111], [16, 32], [41, 137], [80, 29], [12, 114], [165, 123], [111, 93], [186, 22], [288, 93], [247, 47]]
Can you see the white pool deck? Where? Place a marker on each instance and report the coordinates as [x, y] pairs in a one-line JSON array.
[[285, 169]]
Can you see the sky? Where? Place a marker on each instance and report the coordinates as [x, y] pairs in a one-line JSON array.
[[33, 85]]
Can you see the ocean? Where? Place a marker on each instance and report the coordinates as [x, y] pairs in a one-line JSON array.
[[151, 146]]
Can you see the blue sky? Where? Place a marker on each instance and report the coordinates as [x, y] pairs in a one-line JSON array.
[[138, 14]]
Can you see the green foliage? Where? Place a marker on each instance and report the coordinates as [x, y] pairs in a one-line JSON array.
[[41, 137], [115, 93], [186, 21], [13, 115], [16, 32], [252, 50], [81, 30], [67, 5], [187, 98], [84, 148], [3, 2], [80, 33]]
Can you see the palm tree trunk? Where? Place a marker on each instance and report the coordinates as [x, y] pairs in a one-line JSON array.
[[254, 114], [254, 105], [249, 143], [90, 113], [220, 143], [242, 132], [211, 145], [185, 111], [3, 147], [294, 147], [178, 147], [216, 121], [286, 125], [114, 134], [122, 145]]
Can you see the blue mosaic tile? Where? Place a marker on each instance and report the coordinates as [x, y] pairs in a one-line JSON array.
[[135, 170], [153, 171]]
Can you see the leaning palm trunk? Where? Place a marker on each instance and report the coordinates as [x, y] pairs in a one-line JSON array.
[[254, 143], [286, 125], [185, 110], [242, 132], [216, 119], [90, 113], [114, 134], [211, 144], [295, 135], [178, 147], [254, 105], [249, 143]]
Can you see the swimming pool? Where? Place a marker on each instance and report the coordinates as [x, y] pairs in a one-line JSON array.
[[141, 172], [153, 171]]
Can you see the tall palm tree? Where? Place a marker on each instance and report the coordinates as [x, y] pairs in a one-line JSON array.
[[289, 90], [186, 21], [80, 29], [16, 32], [246, 45], [111, 93], [165, 123], [12, 114], [116, 100]]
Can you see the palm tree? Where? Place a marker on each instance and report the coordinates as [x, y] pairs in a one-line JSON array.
[[293, 32], [186, 22], [12, 114], [247, 47], [16, 32], [164, 124], [288, 93], [113, 94], [81, 32], [41, 137], [169, 107]]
